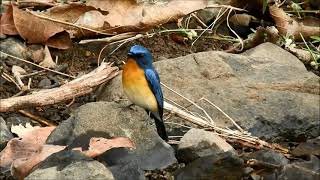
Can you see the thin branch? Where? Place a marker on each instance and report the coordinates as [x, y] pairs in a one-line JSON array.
[[240, 40], [196, 105], [75, 88], [67, 23], [233, 122], [225, 6], [37, 118], [20, 59]]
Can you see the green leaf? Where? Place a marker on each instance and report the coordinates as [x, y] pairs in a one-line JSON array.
[[264, 6], [316, 39]]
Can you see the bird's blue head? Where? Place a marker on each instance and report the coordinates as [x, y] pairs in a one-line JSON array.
[[141, 55]]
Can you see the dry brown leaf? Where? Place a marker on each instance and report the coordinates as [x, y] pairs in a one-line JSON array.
[[36, 3], [60, 40], [289, 26], [98, 146], [17, 71], [34, 29], [91, 19], [21, 130], [21, 167], [36, 53], [47, 61], [7, 25], [25, 146], [128, 15], [70, 13]]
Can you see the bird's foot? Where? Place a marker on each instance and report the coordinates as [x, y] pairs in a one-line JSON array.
[[130, 106], [148, 121]]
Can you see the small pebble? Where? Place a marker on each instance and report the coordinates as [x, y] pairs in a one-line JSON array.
[[44, 83], [88, 53]]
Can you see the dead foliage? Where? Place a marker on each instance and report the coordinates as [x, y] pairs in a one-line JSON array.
[[22, 154], [289, 26]]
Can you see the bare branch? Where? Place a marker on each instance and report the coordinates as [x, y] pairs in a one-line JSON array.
[[77, 87]]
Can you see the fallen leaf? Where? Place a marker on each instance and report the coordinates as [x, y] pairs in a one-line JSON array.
[[60, 40], [91, 19], [6, 23], [98, 146], [289, 26], [21, 130], [17, 71], [70, 14], [36, 3], [28, 144], [128, 15], [21, 167], [47, 61], [34, 29], [36, 53]]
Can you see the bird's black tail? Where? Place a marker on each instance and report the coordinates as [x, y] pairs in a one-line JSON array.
[[161, 129]]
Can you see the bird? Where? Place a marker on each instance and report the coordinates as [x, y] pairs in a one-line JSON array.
[[141, 84]]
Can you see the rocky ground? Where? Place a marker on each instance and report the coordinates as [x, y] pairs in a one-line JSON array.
[[267, 90]]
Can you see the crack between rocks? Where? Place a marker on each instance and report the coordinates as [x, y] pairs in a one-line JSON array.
[[289, 87]]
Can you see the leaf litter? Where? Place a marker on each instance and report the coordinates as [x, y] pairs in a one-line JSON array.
[[29, 149]]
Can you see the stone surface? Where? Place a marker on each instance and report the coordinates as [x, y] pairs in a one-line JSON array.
[[44, 83], [309, 170], [221, 166], [70, 165], [5, 134], [267, 90], [311, 147], [14, 47], [198, 143], [110, 119], [17, 120], [271, 157]]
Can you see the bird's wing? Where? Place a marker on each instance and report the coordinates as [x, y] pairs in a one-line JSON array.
[[154, 84]]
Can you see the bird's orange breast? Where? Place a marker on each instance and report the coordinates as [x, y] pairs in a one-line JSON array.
[[136, 86]]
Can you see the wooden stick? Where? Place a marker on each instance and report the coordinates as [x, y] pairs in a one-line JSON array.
[[75, 88], [37, 118]]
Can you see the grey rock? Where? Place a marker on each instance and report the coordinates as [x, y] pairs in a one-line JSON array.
[[221, 166], [124, 164], [198, 143], [267, 90], [17, 120], [14, 47], [311, 147], [69, 165], [309, 170], [5, 134], [208, 14], [109, 119], [271, 157], [44, 83]]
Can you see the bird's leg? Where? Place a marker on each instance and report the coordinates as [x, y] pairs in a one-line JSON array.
[[149, 119]]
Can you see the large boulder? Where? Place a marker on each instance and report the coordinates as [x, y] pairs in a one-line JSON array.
[[267, 90]]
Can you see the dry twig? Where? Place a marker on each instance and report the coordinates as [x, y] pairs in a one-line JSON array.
[[23, 60], [37, 118], [77, 87]]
